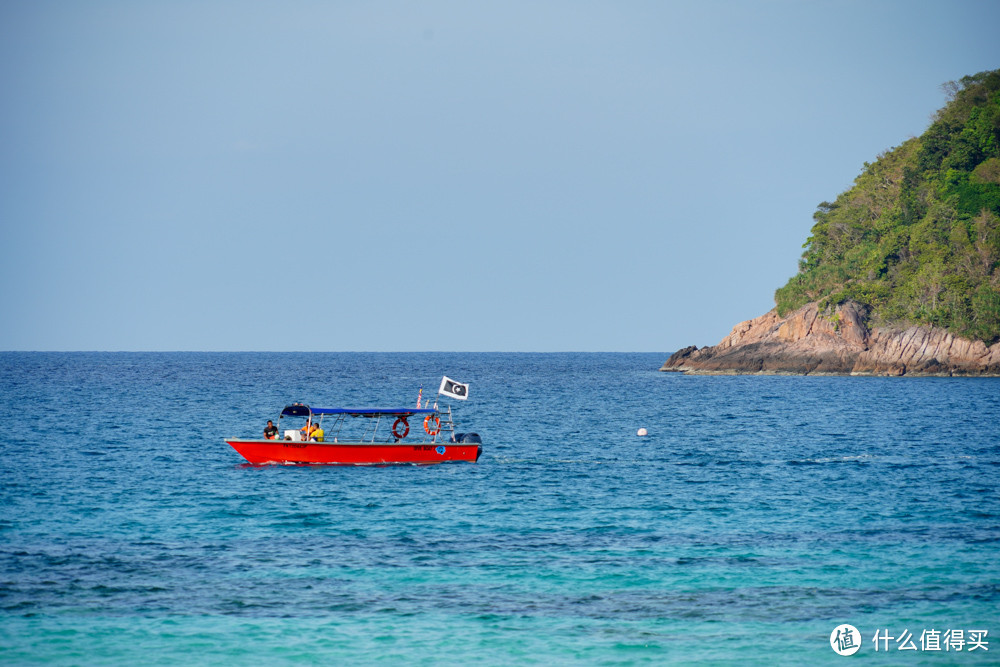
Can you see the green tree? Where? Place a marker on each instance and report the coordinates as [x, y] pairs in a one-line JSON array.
[[916, 239]]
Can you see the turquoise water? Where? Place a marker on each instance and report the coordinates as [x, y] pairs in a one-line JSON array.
[[757, 515]]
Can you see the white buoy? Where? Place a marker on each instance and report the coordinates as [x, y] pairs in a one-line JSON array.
[[642, 432]]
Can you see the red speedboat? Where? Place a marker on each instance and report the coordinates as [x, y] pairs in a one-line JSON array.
[[365, 436]]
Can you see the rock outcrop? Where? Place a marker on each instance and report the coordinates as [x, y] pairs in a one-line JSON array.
[[808, 342]]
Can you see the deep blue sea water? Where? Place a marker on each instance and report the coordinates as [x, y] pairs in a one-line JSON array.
[[757, 515]]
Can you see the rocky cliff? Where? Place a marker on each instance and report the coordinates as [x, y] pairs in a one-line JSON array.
[[810, 342]]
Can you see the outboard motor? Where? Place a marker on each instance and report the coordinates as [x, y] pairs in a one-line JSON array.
[[467, 438]]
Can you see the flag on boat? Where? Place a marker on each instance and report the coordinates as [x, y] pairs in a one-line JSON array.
[[454, 389]]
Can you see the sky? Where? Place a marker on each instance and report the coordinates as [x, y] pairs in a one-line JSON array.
[[425, 176]]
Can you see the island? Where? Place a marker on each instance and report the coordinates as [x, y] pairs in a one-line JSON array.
[[901, 273]]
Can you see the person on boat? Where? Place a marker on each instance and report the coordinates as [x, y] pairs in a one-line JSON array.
[[270, 431], [317, 434]]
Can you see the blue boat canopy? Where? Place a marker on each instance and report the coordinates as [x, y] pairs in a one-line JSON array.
[[299, 410]]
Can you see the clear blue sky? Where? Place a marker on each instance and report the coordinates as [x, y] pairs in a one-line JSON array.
[[495, 176]]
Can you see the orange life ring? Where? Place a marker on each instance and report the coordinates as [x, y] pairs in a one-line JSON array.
[[437, 424], [406, 428]]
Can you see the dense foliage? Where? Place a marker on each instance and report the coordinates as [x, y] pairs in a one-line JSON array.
[[917, 237]]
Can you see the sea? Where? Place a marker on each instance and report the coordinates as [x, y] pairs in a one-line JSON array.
[[758, 516]]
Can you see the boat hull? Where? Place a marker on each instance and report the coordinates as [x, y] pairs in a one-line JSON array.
[[263, 452]]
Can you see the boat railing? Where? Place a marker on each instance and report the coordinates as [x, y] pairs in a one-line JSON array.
[[334, 427], [447, 425]]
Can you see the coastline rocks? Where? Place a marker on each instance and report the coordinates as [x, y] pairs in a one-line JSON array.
[[807, 342]]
